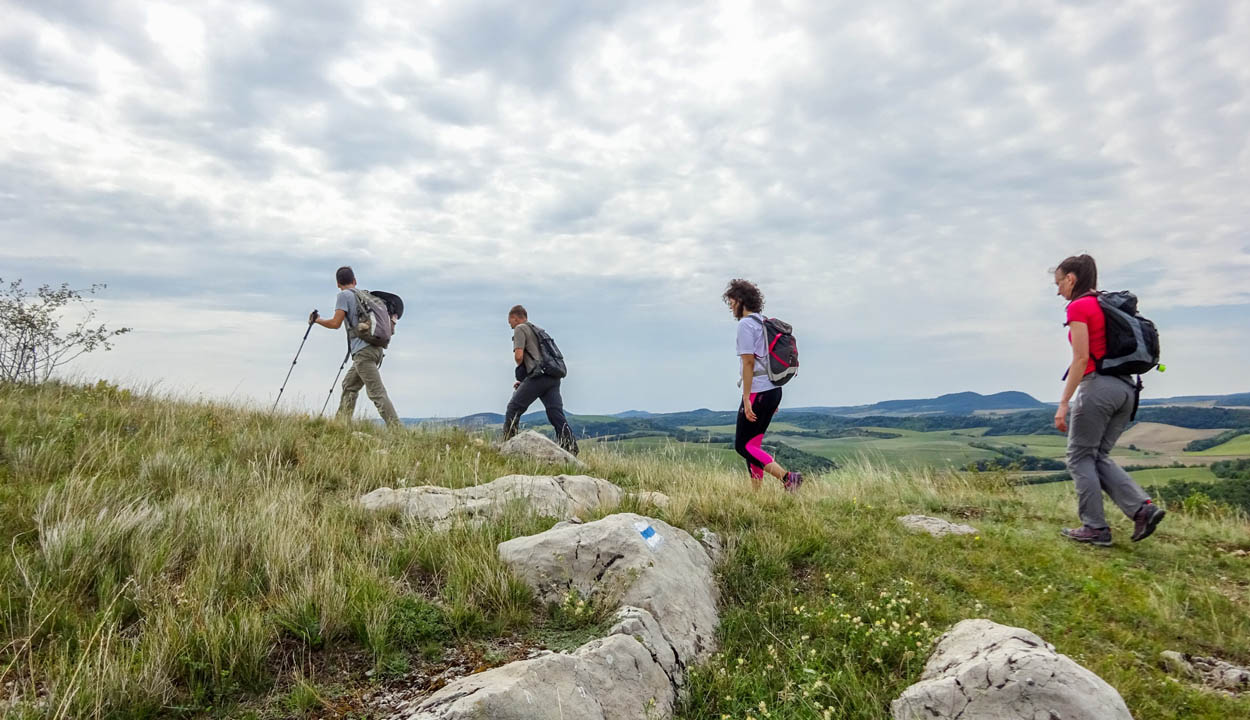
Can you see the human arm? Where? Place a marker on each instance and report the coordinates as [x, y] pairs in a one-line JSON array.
[[748, 374], [1076, 372], [518, 354], [334, 323]]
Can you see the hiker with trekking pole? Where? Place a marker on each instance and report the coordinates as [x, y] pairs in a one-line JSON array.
[[370, 321], [1110, 343], [769, 358], [539, 368]]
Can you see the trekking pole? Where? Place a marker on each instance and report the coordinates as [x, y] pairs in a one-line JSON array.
[[336, 382], [288, 372]]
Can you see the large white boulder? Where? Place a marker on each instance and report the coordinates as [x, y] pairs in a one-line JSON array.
[[627, 559], [981, 670], [554, 495], [534, 446], [626, 675]]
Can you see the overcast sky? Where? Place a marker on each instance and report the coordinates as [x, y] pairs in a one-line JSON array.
[[897, 176]]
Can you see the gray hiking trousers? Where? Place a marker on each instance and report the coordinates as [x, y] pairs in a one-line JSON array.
[[365, 374], [1100, 413]]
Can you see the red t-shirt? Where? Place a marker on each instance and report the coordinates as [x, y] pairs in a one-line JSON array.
[[1088, 311]]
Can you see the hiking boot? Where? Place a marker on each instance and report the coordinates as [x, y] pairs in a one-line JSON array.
[[1084, 534], [1146, 520], [792, 481]]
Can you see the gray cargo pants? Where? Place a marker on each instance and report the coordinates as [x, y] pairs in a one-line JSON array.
[[1100, 412], [365, 373]]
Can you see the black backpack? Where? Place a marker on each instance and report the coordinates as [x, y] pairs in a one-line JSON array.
[[1132, 340], [783, 351], [551, 360]]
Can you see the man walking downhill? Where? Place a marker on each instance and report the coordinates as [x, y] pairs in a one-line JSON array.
[[366, 358], [531, 384]]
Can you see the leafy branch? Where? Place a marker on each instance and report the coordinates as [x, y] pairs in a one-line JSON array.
[[33, 343]]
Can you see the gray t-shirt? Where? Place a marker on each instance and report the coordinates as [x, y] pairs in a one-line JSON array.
[[347, 301], [523, 336], [751, 341]]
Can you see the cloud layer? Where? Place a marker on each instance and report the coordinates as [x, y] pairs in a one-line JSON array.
[[897, 178]]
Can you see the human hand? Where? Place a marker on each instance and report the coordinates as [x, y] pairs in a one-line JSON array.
[[1061, 417], [516, 385], [312, 317], [748, 411]]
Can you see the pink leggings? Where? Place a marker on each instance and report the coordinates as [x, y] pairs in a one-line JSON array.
[[749, 436]]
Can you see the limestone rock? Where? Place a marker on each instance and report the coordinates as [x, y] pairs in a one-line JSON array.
[[661, 577], [937, 527], [617, 677], [656, 499], [1211, 672], [533, 446], [711, 542], [981, 670], [668, 574], [554, 495]]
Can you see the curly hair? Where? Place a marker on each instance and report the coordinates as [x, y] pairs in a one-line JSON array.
[[748, 296]]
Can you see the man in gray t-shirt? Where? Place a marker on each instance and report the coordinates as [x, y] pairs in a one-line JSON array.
[[531, 384], [366, 358]]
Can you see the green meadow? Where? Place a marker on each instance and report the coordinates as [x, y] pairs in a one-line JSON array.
[[174, 559]]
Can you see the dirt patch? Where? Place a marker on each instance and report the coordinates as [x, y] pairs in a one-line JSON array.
[[967, 512], [383, 700]]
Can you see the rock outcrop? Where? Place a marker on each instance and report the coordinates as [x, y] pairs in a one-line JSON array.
[[662, 579], [981, 670], [533, 446], [1209, 672], [625, 675], [937, 527], [554, 495], [629, 560]]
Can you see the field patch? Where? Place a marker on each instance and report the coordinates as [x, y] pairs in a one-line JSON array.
[[1239, 445], [943, 448], [1163, 438], [1155, 476]]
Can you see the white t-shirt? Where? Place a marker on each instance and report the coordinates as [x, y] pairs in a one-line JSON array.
[[751, 340]]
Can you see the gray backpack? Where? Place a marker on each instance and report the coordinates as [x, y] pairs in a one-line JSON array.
[[373, 319]]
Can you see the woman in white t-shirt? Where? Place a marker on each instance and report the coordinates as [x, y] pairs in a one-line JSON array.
[[760, 397]]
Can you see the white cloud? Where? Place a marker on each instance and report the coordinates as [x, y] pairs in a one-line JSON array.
[[899, 177]]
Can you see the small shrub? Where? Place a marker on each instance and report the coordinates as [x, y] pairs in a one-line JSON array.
[[415, 624], [574, 612]]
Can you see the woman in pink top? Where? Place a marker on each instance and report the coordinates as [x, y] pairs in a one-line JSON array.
[[1098, 415]]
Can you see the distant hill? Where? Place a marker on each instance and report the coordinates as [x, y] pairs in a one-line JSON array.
[[952, 404], [1234, 400], [634, 414], [963, 403]]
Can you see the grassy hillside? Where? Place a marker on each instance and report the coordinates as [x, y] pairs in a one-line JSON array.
[[1239, 445], [194, 560]]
